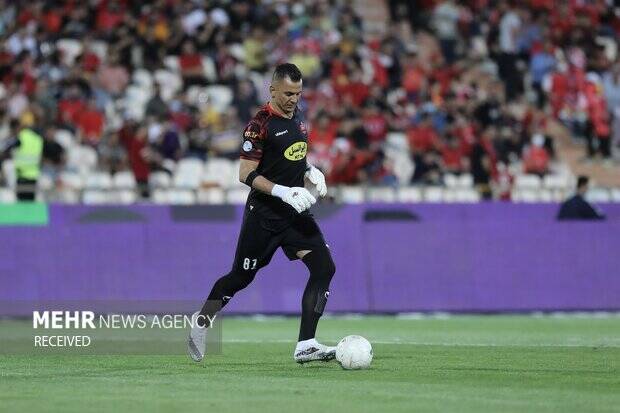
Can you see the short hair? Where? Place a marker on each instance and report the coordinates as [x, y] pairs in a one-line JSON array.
[[285, 70], [582, 181]]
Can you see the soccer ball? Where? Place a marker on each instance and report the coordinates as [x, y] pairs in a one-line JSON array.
[[354, 352]]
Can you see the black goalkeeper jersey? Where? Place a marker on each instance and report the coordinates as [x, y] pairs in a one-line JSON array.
[[279, 145]]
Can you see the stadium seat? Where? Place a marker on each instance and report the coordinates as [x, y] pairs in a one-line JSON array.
[[124, 180], [598, 195], [172, 63], [351, 194], [7, 196], [381, 194], [409, 194], [65, 138], [70, 50], [8, 171], [219, 96], [159, 179], [525, 195], [188, 173], [209, 68], [237, 195], [211, 196], [615, 195], [467, 195], [219, 172], [45, 182], [451, 180], [95, 196], [181, 197], [466, 181], [125, 196], [98, 180], [531, 182], [143, 78], [169, 82], [433, 194], [71, 180], [545, 195]]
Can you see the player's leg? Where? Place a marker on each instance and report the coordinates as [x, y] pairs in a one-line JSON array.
[[321, 267], [304, 240], [255, 248]]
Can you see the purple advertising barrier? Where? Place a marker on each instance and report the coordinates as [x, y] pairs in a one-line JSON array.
[[479, 257]]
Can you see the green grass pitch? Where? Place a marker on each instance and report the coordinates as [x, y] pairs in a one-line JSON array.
[[459, 363]]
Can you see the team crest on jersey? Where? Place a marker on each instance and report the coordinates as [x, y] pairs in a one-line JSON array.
[[247, 146], [296, 151]]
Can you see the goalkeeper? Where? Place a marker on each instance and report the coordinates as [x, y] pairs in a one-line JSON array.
[[273, 164]]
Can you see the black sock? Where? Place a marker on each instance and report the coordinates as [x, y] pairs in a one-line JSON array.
[[221, 293], [315, 296]]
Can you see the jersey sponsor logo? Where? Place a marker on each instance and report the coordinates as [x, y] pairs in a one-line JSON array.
[[296, 151], [250, 134], [281, 132], [247, 146]]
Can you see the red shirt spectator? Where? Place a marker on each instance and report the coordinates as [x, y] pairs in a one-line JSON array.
[[90, 123], [69, 109], [375, 125], [135, 144], [536, 160], [423, 138]]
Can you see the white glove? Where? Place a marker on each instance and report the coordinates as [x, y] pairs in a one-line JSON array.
[[317, 178], [298, 198]]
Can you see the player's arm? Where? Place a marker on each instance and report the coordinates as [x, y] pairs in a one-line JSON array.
[[259, 182]]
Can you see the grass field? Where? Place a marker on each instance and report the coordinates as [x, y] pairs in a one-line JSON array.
[[436, 364]]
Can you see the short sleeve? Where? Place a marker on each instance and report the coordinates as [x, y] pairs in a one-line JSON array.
[[253, 140]]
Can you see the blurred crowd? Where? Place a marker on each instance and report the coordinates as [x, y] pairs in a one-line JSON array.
[[471, 86]]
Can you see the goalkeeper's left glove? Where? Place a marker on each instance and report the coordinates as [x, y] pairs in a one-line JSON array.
[[316, 177]]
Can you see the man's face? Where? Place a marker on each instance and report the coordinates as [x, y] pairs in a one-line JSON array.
[[285, 94]]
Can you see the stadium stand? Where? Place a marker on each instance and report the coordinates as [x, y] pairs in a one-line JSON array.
[[438, 101]]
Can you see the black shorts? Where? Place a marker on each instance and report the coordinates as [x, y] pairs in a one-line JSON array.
[[260, 238]]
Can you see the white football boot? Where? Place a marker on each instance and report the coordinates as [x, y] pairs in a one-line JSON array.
[[197, 340], [312, 350]]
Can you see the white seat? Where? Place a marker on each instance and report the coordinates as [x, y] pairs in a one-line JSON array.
[[181, 197], [531, 182], [124, 180], [409, 194], [545, 195], [70, 49], [208, 66], [188, 173], [451, 180], [219, 172], [615, 195], [65, 138], [433, 194], [598, 195], [190, 165], [211, 196], [95, 196], [556, 182], [381, 194], [100, 48], [172, 63], [169, 82], [45, 182], [7, 196], [71, 180], [525, 195], [144, 78], [219, 96], [466, 181], [160, 196], [159, 179], [98, 180], [125, 196], [237, 195], [351, 194], [8, 170], [467, 195]]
